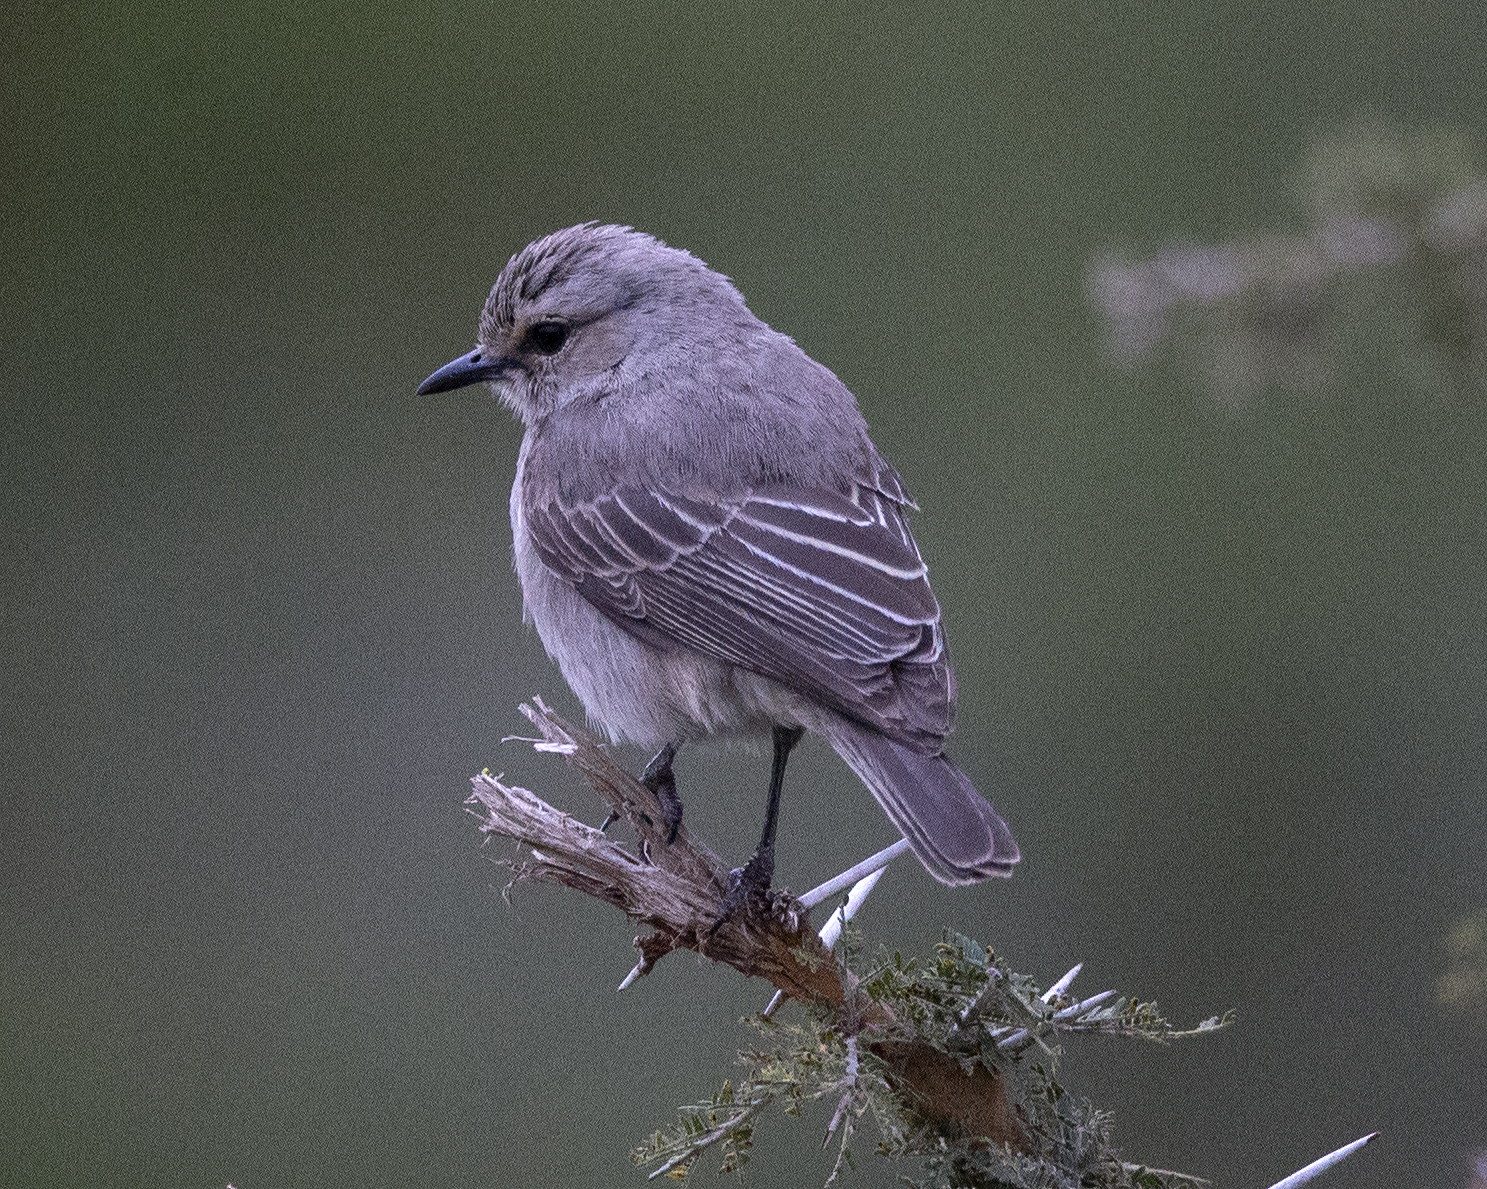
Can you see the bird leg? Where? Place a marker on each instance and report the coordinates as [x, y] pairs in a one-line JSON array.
[[754, 877], [658, 778]]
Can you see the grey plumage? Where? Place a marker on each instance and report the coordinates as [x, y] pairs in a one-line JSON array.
[[707, 540]]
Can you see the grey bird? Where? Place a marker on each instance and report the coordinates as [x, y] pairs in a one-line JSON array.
[[709, 543]]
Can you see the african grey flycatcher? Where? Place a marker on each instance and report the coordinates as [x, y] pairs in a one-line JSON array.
[[707, 540]]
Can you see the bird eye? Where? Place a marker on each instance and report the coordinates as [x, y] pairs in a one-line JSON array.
[[548, 337]]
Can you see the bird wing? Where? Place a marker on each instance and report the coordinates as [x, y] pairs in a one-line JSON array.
[[822, 592]]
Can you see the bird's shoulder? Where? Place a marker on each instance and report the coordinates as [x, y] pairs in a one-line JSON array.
[[713, 425]]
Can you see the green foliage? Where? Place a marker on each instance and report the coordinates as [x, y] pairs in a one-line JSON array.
[[1388, 277], [804, 1062], [965, 1002]]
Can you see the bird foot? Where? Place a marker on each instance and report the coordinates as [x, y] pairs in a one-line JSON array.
[[658, 778], [748, 886]]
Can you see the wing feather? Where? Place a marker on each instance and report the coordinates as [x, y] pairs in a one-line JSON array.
[[826, 594], [838, 632]]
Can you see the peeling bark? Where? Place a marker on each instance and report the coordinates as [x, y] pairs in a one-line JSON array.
[[677, 892]]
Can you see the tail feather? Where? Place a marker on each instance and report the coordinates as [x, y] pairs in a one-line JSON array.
[[953, 829]]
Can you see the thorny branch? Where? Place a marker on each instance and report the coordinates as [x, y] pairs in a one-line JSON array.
[[676, 891]]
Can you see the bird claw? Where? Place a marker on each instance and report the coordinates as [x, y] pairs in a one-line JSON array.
[[747, 885]]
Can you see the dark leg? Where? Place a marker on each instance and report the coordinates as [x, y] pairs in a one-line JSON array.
[[755, 876], [785, 739], [658, 778]]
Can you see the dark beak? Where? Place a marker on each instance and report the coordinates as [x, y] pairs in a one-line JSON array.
[[467, 369]]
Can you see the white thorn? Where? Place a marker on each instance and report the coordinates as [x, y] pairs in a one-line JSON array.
[[1302, 1175], [1080, 1008], [1063, 984], [833, 927], [854, 874], [1013, 1039], [633, 975]]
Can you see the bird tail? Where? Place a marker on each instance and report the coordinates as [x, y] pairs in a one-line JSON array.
[[953, 829]]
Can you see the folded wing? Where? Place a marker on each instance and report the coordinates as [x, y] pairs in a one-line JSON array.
[[825, 593]]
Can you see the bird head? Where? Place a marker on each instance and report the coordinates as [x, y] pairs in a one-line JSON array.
[[573, 309]]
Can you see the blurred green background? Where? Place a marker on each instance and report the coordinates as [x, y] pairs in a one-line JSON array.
[[1224, 671]]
